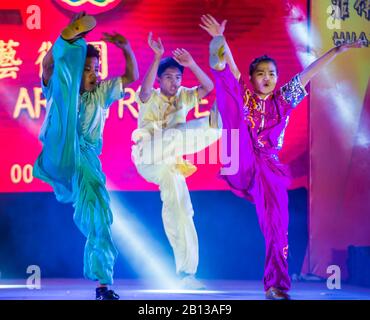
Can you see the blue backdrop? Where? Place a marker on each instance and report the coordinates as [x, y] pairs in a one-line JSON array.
[[37, 230]]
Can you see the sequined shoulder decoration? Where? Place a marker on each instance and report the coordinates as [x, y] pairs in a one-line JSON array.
[[293, 92]]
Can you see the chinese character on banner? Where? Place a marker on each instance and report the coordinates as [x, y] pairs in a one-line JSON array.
[[363, 7], [8, 63], [103, 59], [343, 8], [44, 48]]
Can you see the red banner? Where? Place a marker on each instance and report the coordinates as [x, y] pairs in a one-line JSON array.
[[253, 29]]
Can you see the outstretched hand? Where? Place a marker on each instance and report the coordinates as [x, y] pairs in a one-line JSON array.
[[212, 26], [117, 39], [352, 45], [156, 46], [183, 57]]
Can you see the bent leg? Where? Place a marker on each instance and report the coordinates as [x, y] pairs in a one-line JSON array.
[[187, 138]]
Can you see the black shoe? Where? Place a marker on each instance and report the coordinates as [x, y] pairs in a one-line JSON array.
[[103, 293]]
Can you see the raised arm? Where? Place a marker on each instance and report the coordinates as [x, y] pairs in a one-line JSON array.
[[214, 29], [149, 78], [184, 58], [131, 73], [307, 74]]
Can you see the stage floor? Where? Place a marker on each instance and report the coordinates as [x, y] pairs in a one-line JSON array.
[[80, 289]]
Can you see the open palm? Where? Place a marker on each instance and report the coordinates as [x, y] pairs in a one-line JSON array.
[[351, 45], [156, 46], [116, 38], [183, 57], [211, 25]]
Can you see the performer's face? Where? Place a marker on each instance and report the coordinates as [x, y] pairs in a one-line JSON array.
[[90, 74], [170, 81], [264, 78]]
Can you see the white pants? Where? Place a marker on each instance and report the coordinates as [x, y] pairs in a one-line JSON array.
[[177, 210]]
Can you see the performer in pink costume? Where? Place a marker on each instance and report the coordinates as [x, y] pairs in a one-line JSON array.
[[261, 117]]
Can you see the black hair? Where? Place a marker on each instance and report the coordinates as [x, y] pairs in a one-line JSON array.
[[92, 52], [168, 62], [257, 61]]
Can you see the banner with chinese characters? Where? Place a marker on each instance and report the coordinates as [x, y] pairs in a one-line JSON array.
[[340, 136], [28, 29]]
